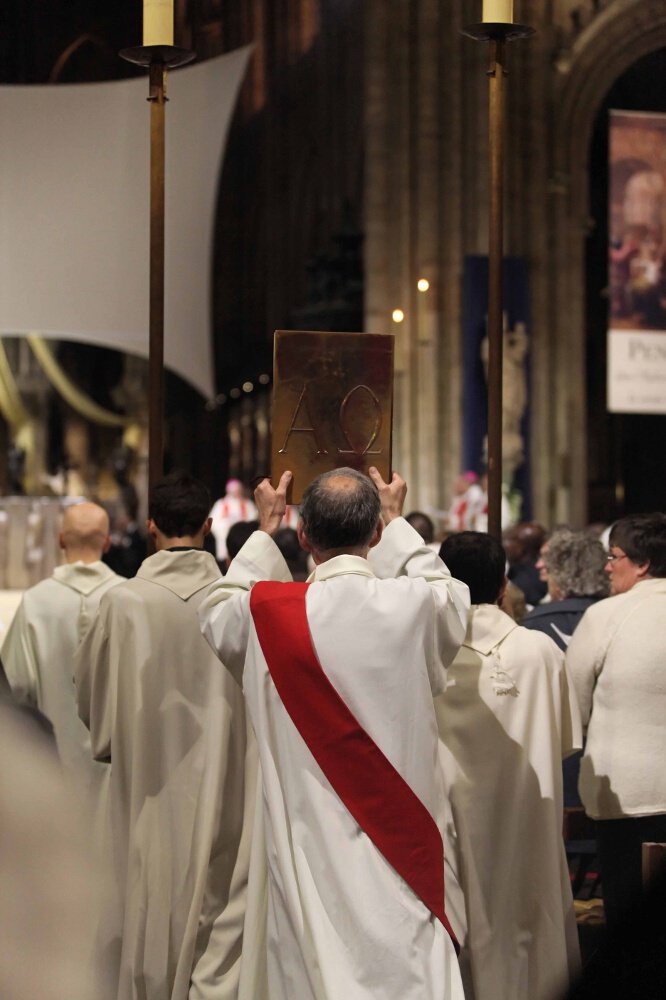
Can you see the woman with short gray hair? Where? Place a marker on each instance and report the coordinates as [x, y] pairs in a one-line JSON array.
[[575, 566]]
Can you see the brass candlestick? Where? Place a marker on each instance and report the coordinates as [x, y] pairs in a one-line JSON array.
[[157, 58], [497, 35]]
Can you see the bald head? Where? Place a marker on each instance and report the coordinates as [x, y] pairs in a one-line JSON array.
[[84, 535], [340, 511]]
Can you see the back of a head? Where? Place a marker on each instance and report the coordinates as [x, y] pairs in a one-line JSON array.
[[422, 523], [237, 536], [576, 562], [85, 529], [532, 536], [295, 557], [479, 561], [642, 537], [179, 505], [340, 510]]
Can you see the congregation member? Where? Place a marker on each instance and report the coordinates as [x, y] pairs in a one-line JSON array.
[[339, 674], [573, 564], [172, 723], [236, 539], [423, 524], [38, 651], [506, 720], [616, 659], [574, 567], [522, 545]]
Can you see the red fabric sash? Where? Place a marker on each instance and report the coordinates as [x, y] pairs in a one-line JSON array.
[[379, 799]]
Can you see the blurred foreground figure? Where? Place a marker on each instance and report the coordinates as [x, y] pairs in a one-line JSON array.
[[38, 651], [506, 720], [48, 885], [616, 658], [172, 722], [339, 675]]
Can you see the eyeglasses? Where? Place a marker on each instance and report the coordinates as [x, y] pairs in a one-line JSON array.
[[611, 558]]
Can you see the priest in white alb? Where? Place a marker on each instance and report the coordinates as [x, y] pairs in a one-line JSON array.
[[506, 720], [172, 723], [338, 675], [38, 651]]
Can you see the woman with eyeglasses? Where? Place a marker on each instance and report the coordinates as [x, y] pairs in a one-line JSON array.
[[617, 658]]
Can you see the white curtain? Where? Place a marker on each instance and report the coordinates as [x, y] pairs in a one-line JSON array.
[[74, 210]]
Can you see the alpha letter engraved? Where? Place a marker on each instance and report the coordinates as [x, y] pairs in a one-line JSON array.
[[293, 429], [375, 431]]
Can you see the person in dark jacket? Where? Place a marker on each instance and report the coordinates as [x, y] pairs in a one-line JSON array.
[[574, 563], [522, 544]]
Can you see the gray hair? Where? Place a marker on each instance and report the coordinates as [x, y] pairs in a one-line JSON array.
[[340, 510], [576, 562]]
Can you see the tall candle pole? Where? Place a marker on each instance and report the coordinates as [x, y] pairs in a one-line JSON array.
[[157, 54], [497, 34]]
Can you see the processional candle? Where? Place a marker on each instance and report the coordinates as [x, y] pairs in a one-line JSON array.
[[158, 22], [498, 11]]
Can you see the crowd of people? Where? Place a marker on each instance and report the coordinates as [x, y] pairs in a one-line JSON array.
[[338, 768]]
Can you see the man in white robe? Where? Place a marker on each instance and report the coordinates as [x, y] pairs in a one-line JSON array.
[[338, 676], [506, 720], [172, 722], [38, 651], [233, 507]]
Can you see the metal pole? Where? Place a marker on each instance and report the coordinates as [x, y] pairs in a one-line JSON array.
[[497, 35], [157, 58], [496, 74], [157, 98]]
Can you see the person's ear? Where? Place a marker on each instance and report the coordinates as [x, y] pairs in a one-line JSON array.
[[502, 590], [643, 569], [207, 525], [379, 530], [61, 540], [303, 538], [151, 528], [107, 544]]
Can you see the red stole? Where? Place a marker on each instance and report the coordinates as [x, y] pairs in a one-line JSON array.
[[379, 799]]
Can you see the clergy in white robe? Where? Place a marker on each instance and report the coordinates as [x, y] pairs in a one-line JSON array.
[[506, 720], [172, 722], [38, 651], [339, 675], [233, 507]]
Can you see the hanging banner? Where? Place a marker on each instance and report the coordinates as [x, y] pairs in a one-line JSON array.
[[636, 373]]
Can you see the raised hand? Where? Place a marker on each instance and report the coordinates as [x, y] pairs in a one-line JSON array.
[[391, 495], [271, 504]]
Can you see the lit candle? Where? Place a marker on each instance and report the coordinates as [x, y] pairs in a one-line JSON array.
[[498, 11], [158, 22]]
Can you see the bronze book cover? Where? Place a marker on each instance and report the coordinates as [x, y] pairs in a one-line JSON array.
[[332, 404]]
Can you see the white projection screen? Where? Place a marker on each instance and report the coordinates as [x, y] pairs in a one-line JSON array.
[[74, 210]]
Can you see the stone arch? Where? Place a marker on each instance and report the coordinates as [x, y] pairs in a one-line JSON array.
[[619, 36]]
